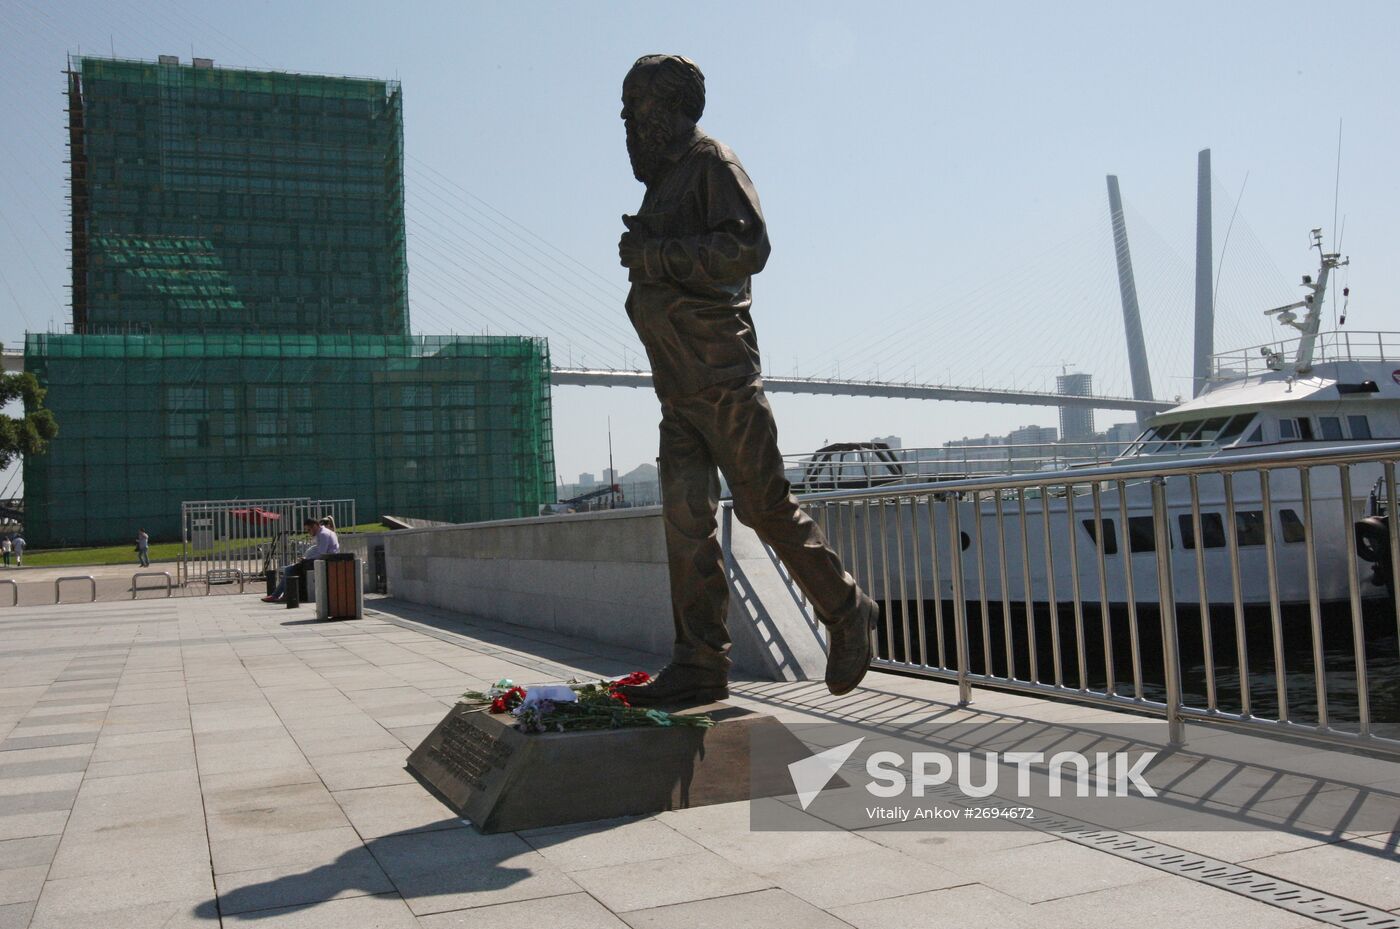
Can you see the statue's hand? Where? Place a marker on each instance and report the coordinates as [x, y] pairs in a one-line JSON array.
[[629, 250]]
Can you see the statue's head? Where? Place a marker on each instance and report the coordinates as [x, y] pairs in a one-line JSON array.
[[663, 97]]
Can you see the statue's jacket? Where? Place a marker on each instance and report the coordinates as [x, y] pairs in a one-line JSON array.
[[704, 240]]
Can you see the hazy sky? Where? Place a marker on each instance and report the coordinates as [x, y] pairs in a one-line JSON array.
[[932, 174]]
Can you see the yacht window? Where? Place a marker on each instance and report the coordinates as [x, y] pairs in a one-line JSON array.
[[1360, 427], [1234, 428], [1136, 447], [1151, 442], [1287, 429], [1173, 435], [1249, 527], [1256, 436], [1212, 531], [1142, 534], [1291, 525], [1211, 429], [1305, 430], [1110, 539], [1164, 434], [1331, 427]]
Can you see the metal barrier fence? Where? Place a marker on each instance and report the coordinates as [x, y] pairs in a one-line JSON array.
[[14, 591], [58, 587], [223, 536], [1227, 589], [135, 589]]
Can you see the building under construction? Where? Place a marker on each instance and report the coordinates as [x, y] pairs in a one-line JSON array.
[[240, 317], [220, 200]]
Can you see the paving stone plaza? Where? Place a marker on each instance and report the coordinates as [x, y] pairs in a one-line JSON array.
[[204, 761]]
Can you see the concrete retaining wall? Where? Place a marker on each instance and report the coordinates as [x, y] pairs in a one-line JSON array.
[[600, 576]]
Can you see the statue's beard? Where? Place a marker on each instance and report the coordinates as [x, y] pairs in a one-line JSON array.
[[647, 144]]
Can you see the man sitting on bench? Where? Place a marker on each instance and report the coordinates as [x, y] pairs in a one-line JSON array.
[[323, 542]]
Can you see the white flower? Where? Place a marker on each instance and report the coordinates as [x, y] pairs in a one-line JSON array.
[[545, 694]]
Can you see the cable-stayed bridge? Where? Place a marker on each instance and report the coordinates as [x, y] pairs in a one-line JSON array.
[[606, 377]]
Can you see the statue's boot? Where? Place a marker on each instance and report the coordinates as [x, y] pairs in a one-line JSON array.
[[848, 650], [678, 684]]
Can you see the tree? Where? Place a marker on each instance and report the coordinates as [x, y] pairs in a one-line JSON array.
[[28, 434]]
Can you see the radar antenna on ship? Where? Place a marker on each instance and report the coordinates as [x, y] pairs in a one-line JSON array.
[[1312, 303]]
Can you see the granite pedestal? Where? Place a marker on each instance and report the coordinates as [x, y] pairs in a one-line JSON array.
[[504, 780]]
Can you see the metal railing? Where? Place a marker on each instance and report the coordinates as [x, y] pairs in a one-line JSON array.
[[58, 586], [1340, 345], [1090, 584], [244, 535], [861, 468], [14, 591], [224, 576], [169, 582]]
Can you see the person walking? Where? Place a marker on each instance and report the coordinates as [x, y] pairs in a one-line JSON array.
[[5, 549], [19, 545], [143, 548]]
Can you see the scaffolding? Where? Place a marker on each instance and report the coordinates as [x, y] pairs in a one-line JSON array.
[[439, 427], [224, 200]]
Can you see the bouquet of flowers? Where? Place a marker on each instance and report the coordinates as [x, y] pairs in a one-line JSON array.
[[577, 705]]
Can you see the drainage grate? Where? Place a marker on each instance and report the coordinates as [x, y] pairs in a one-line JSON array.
[[1296, 898]]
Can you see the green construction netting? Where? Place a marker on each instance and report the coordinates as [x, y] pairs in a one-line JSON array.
[[450, 428], [222, 200]]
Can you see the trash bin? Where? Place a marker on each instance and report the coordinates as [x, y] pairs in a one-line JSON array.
[[339, 587]]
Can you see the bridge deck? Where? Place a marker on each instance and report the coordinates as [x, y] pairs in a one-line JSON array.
[[591, 377]]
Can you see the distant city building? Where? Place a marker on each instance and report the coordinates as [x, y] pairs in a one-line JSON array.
[[1033, 435], [1032, 441], [893, 441], [982, 442], [1120, 435], [1076, 423], [639, 487]]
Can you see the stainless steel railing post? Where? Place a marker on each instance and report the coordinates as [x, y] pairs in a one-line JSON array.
[[959, 601], [1314, 599], [1358, 627], [1166, 600]]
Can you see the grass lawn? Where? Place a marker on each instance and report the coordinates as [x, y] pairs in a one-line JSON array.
[[126, 553]]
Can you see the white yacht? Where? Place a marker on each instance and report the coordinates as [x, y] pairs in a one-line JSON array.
[[1318, 389]]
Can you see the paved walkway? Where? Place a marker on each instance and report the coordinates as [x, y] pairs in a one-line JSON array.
[[217, 761]]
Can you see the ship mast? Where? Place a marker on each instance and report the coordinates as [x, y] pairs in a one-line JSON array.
[[1307, 343]]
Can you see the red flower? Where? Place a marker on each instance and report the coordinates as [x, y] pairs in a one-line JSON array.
[[508, 700], [636, 678]]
